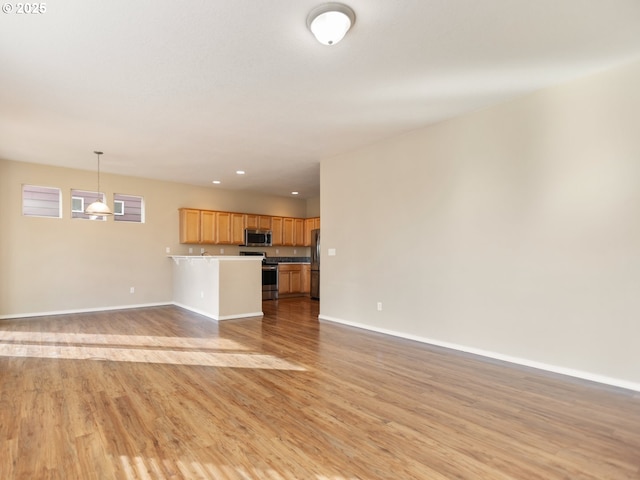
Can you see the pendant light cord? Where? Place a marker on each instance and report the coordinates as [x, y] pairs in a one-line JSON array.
[[98, 196]]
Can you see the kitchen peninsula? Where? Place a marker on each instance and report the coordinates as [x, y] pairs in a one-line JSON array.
[[218, 287]]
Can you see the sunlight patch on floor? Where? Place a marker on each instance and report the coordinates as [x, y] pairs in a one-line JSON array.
[[130, 340], [173, 357], [141, 468]]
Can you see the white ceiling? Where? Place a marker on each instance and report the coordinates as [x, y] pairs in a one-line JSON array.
[[193, 91]]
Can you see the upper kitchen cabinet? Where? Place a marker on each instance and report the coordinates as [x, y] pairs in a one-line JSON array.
[[238, 221], [287, 231], [293, 232], [223, 228], [309, 225], [208, 227], [298, 231], [189, 225], [276, 231], [227, 228], [258, 222]]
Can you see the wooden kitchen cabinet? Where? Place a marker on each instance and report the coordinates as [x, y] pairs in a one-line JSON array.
[[306, 278], [293, 232], [309, 225], [223, 228], [189, 225], [290, 279], [251, 221], [264, 222], [206, 227], [227, 228], [298, 231], [197, 226], [287, 232], [276, 231], [258, 222], [230, 228], [238, 221]]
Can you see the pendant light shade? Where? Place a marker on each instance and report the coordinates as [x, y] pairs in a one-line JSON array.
[[330, 22], [98, 208]]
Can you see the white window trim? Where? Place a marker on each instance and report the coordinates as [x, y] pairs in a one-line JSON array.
[[59, 191]]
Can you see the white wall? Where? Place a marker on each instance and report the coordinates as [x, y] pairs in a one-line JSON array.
[[513, 231]]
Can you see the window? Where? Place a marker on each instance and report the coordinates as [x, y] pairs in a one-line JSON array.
[[41, 201], [118, 207], [77, 204], [80, 198], [128, 208]]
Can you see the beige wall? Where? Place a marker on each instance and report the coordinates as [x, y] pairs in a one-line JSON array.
[[55, 265], [313, 207], [513, 231]]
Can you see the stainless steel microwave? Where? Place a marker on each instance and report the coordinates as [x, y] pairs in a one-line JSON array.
[[257, 238]]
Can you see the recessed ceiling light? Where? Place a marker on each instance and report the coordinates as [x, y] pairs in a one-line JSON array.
[[240, 172], [294, 193], [217, 182]]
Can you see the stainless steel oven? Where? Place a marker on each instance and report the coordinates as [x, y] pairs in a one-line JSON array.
[[270, 282]]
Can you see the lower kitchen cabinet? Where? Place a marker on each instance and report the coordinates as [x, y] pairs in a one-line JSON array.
[[306, 278], [291, 279]]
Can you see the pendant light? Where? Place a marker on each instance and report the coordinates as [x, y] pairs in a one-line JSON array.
[[98, 208], [330, 22]]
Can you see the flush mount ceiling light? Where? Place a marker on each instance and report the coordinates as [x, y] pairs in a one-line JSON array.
[[98, 208], [330, 22]]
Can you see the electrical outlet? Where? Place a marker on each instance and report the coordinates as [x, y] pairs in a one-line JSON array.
[[168, 249], [222, 251], [379, 306], [202, 250], [190, 249], [295, 251], [201, 294], [132, 290], [331, 252]]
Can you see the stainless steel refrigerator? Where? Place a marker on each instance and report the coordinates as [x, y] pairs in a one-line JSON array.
[[315, 264]]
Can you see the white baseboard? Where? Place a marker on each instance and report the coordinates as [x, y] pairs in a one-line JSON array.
[[244, 315], [218, 317], [82, 310], [498, 356]]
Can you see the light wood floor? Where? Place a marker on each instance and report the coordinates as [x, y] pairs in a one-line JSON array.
[[163, 393]]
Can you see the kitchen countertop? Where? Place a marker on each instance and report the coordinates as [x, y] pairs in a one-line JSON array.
[[217, 257]]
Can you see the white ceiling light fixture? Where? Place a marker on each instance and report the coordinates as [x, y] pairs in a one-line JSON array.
[[98, 208], [330, 22]]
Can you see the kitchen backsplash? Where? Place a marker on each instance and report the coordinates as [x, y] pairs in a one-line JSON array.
[[288, 259]]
